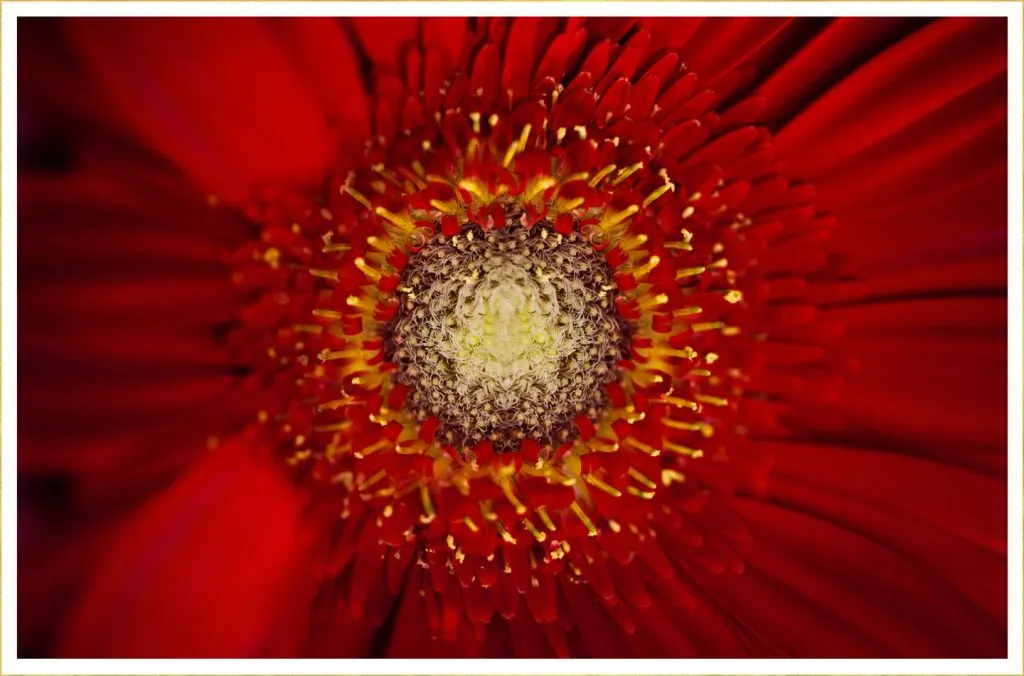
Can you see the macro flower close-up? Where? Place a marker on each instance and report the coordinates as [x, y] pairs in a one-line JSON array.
[[512, 337]]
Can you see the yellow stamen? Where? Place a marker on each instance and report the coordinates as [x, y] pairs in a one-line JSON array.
[[578, 511], [641, 446], [325, 274], [689, 272], [598, 483], [656, 194], [642, 478], [400, 220], [683, 450], [505, 535], [372, 480], [600, 176], [615, 217], [506, 488], [714, 401], [335, 248], [357, 301], [542, 512], [428, 505], [326, 314], [681, 403], [653, 301], [370, 272], [356, 195], [646, 495], [471, 525], [651, 263], [626, 172], [707, 326], [375, 447], [532, 530], [670, 475], [449, 207]]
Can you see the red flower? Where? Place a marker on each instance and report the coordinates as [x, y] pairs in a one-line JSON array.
[[512, 337]]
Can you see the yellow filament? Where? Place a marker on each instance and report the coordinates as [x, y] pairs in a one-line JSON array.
[[506, 488], [651, 263], [641, 446], [401, 220], [670, 475], [656, 194], [642, 478], [505, 535], [449, 207], [471, 525], [707, 326], [327, 314], [646, 495], [683, 450], [714, 401], [600, 176], [325, 274], [356, 195], [615, 217], [380, 474], [532, 530], [375, 447], [598, 483], [689, 272], [681, 403], [370, 272], [653, 301], [428, 505], [578, 511], [545, 519], [357, 301], [626, 172]]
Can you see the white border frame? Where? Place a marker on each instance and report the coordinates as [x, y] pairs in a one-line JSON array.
[[9, 11]]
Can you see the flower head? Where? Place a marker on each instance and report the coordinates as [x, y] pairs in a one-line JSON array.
[[526, 337]]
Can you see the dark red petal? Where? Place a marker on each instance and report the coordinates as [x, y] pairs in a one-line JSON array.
[[207, 567], [894, 89], [208, 111]]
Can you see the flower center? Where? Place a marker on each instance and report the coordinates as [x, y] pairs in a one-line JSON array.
[[506, 334]]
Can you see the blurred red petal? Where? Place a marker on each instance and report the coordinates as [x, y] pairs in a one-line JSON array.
[[189, 88], [203, 570]]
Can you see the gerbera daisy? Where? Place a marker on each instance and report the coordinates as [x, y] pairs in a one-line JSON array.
[[512, 337]]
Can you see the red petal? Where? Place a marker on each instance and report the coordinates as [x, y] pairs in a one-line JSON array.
[[203, 570], [231, 109]]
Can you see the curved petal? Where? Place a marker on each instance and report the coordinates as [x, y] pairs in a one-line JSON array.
[[901, 85], [203, 570], [224, 97]]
